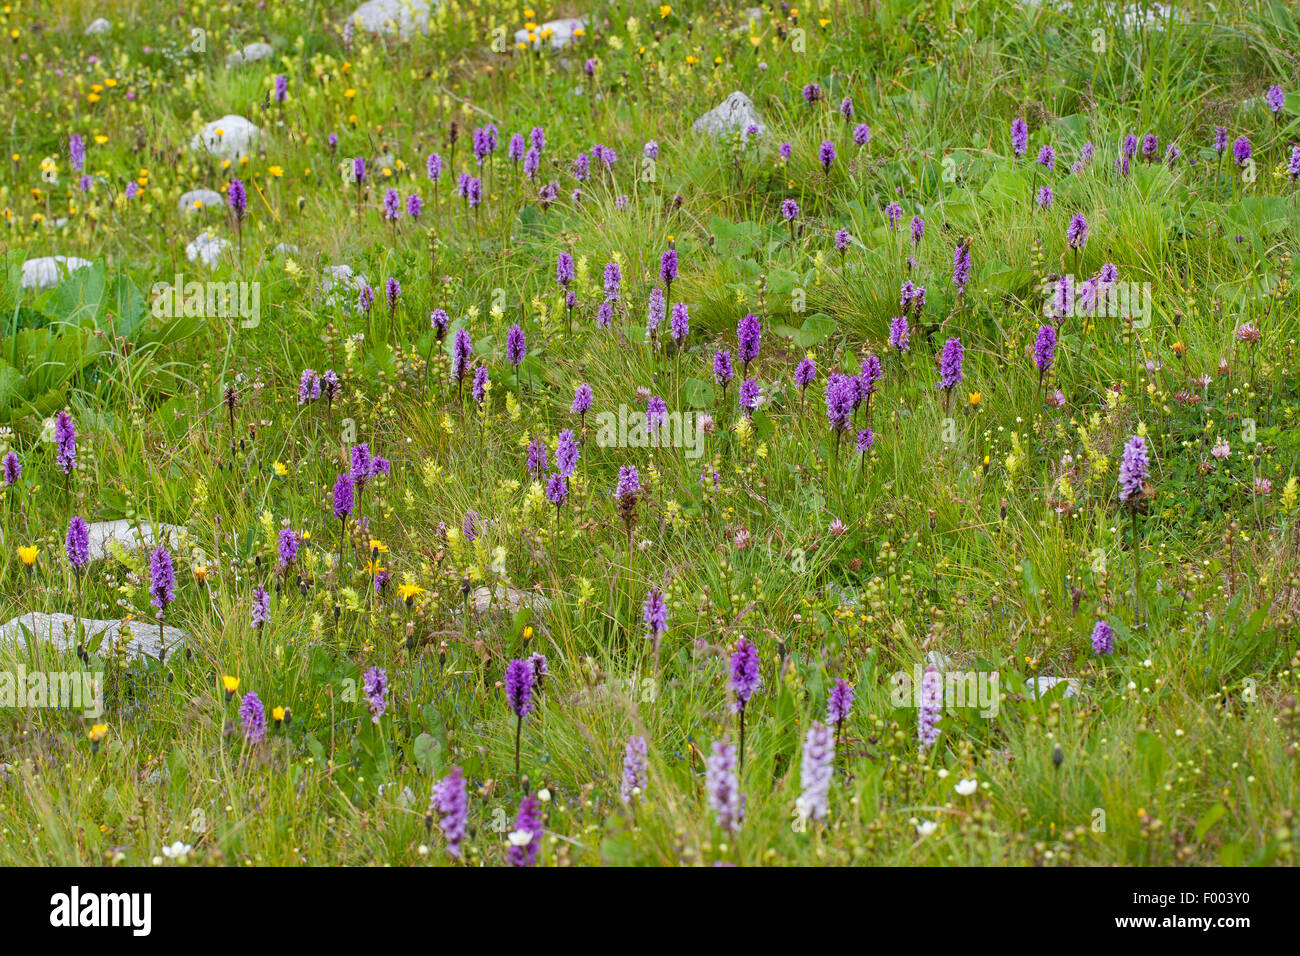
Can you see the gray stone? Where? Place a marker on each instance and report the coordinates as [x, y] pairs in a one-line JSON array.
[[206, 198], [1034, 686], [131, 535], [227, 138], [46, 272], [506, 600], [734, 114], [561, 34], [249, 54], [340, 286], [141, 637], [206, 248], [402, 17]]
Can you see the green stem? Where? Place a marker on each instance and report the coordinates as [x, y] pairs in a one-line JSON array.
[[1137, 570]]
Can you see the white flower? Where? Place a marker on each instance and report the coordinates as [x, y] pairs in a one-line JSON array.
[[926, 827], [177, 851], [966, 787], [543, 795], [802, 808], [520, 838]]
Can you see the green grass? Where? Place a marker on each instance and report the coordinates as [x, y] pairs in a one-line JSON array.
[[991, 534]]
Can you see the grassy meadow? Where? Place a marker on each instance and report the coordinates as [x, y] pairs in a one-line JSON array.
[[906, 474]]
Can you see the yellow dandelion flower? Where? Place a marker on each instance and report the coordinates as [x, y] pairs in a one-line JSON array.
[[409, 592]]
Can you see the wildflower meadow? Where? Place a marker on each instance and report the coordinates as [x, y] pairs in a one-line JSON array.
[[439, 433]]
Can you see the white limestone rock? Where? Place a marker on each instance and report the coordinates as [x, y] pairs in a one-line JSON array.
[[197, 200], [1036, 686], [131, 535], [206, 248], [48, 271], [734, 114], [506, 600], [252, 53], [400, 17], [229, 138], [561, 33], [141, 637], [341, 286]]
